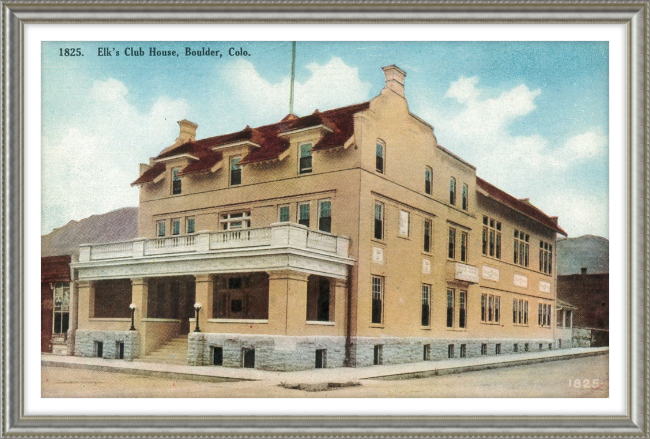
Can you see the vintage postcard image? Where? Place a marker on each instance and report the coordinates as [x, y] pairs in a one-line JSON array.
[[325, 219]]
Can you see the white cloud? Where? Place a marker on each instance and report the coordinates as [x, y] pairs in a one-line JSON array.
[[463, 90], [95, 158], [331, 85]]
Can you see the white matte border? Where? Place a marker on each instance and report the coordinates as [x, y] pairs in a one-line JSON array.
[[612, 406]]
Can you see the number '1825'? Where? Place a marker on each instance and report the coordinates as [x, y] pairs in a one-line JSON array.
[[579, 383], [70, 52]]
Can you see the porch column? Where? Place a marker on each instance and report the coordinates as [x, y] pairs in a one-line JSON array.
[[571, 319], [287, 301], [564, 318], [74, 319], [140, 298], [340, 302], [204, 296], [86, 304]]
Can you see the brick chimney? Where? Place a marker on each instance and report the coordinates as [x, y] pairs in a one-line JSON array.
[[188, 131], [395, 79]]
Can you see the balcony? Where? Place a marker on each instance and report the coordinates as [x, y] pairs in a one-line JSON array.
[[280, 246]]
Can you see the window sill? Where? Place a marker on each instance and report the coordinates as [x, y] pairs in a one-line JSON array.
[[425, 328], [152, 319], [456, 329], [377, 325], [519, 325], [407, 237], [110, 319], [246, 321], [491, 323], [427, 254], [316, 322], [379, 241]]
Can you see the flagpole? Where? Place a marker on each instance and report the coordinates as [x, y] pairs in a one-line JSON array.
[[293, 75]]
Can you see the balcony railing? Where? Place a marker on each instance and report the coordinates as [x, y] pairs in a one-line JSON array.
[[278, 235]]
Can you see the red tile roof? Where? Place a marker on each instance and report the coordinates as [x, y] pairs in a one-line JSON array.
[[518, 205], [272, 144], [150, 174]]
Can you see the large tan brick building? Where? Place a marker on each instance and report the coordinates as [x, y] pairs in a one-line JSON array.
[[346, 237]]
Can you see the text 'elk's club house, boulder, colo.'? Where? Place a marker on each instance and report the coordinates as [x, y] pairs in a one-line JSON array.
[[348, 237]]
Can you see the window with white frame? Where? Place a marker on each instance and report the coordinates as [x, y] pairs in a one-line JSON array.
[[452, 191], [428, 179], [426, 305], [465, 197], [451, 253], [176, 226], [521, 248], [61, 307], [544, 315], [176, 181], [428, 225], [235, 171], [377, 299], [325, 216], [283, 213], [490, 308], [160, 228], [379, 220], [380, 153], [520, 312], [303, 214], [464, 242], [545, 257], [305, 158], [462, 310], [491, 237], [190, 222], [235, 220], [404, 222], [451, 307]]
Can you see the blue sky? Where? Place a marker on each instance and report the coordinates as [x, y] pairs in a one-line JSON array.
[[531, 116]]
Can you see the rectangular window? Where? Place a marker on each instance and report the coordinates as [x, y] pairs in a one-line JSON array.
[[235, 171], [404, 220], [379, 220], [426, 305], [61, 307], [521, 248], [525, 312], [321, 359], [283, 213], [450, 351], [303, 214], [427, 236], [462, 312], [497, 349], [545, 257], [305, 158], [526, 347], [463, 351], [483, 348], [160, 228], [377, 357], [176, 181], [427, 352], [428, 177], [217, 356], [515, 347], [379, 162], [465, 197], [515, 310], [490, 308], [451, 254], [520, 312], [377, 299], [451, 304], [491, 237], [189, 224], [235, 221], [464, 237], [325, 216], [176, 226], [452, 191]]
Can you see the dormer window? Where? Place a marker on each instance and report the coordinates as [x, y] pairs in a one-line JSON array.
[[379, 161], [235, 171], [305, 158], [176, 181]]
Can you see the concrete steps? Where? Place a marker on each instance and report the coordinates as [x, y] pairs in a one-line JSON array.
[[172, 352]]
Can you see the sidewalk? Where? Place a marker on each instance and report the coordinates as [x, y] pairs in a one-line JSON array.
[[315, 377]]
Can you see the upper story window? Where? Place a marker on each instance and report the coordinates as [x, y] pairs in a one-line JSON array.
[[404, 222], [521, 248], [452, 191], [325, 216], [160, 228], [465, 197], [380, 154], [491, 237], [305, 158], [545, 257], [176, 181], [451, 254], [235, 171], [303, 214], [379, 220], [283, 213], [235, 221], [428, 178], [464, 242], [176, 226], [189, 224], [427, 236]]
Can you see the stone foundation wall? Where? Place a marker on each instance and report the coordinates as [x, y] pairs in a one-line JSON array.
[[86, 343], [271, 352], [581, 338]]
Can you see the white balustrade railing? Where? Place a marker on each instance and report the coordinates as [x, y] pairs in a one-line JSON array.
[[111, 251], [240, 238], [321, 241], [173, 244]]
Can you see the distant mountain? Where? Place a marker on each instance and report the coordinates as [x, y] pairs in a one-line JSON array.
[[587, 251], [118, 225]]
